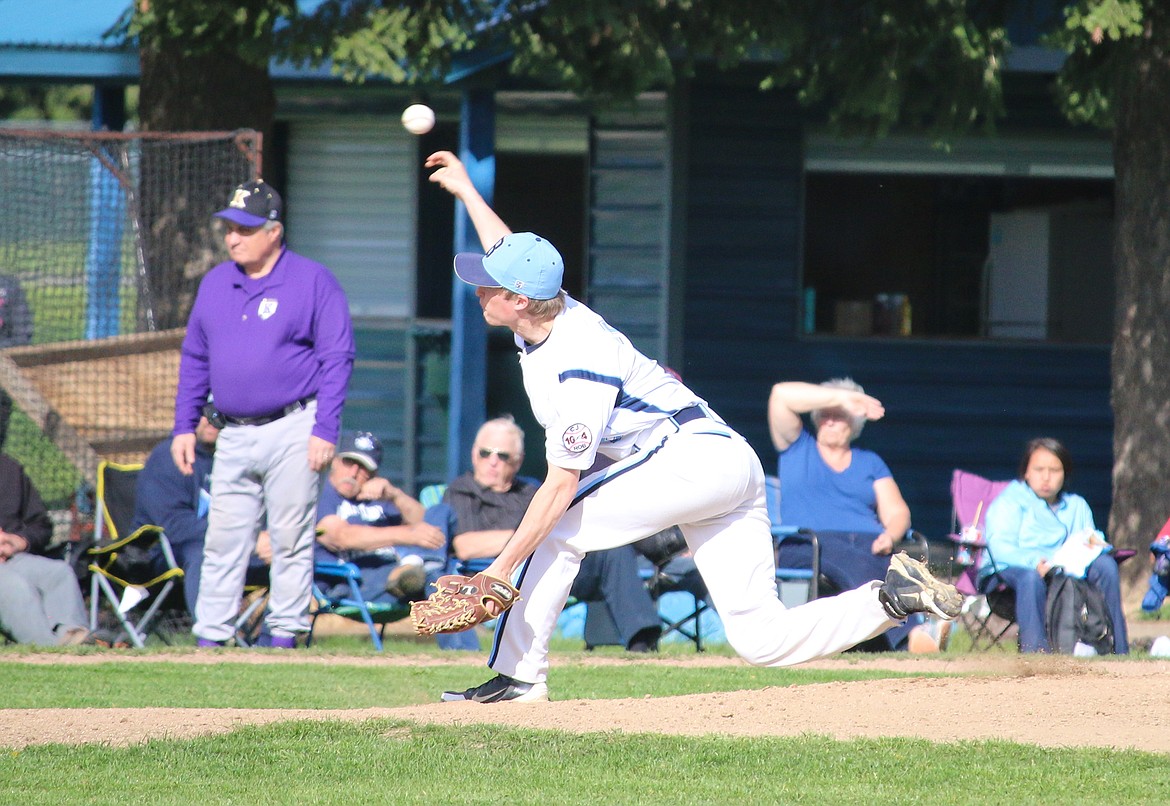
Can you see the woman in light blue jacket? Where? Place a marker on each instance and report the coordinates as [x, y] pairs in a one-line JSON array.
[[1025, 525]]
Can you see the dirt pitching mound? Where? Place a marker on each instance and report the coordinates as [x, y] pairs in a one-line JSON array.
[[1051, 702]]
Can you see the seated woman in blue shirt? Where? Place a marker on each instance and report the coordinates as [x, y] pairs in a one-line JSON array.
[[1024, 527], [845, 494]]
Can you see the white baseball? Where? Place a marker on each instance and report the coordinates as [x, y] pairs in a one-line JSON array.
[[418, 118]]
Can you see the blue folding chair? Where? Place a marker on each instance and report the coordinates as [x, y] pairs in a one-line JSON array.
[[350, 603], [796, 585], [431, 494], [799, 584]]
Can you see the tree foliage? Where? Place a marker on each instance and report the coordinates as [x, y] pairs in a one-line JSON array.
[[871, 64], [36, 102], [241, 28], [874, 63], [1102, 38]]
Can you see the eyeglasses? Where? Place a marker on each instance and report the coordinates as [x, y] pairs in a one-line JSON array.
[[505, 457], [241, 229]]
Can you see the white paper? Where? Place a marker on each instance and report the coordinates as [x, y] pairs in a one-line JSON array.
[[132, 595], [1078, 551]]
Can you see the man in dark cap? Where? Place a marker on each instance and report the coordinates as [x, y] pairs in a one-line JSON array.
[[364, 519], [270, 337]]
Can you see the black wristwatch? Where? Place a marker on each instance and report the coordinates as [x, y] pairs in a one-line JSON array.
[[213, 416]]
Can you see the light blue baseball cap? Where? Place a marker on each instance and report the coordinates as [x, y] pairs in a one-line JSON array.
[[522, 263]]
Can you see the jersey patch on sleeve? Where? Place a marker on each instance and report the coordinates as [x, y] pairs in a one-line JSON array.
[[577, 438]]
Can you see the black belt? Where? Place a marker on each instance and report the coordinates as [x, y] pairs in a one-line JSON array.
[[689, 414], [271, 417]]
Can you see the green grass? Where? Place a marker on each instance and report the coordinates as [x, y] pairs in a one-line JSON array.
[[333, 677], [53, 475], [52, 274], [382, 761], [338, 685], [392, 761]]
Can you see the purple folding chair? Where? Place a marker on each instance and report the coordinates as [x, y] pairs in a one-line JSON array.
[[989, 616]]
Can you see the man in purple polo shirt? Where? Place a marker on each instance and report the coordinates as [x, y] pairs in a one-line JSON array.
[[271, 339]]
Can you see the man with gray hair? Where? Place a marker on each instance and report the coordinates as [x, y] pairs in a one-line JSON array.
[[270, 337], [488, 503]]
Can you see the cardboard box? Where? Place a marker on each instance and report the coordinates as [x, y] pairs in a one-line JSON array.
[[853, 317]]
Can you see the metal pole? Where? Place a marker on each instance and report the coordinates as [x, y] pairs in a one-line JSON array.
[[468, 330]]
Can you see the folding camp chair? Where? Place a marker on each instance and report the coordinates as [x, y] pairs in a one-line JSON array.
[[798, 584], [670, 570], [349, 603], [987, 616], [128, 567]]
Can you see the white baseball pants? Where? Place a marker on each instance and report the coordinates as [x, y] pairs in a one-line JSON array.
[[261, 476], [707, 480]]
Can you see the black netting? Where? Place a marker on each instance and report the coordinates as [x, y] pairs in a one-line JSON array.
[[103, 240]]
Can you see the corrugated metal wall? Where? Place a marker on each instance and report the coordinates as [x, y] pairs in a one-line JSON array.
[[628, 223], [351, 188], [351, 205]]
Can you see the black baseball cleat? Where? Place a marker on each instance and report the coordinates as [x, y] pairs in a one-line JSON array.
[[500, 688], [911, 588]]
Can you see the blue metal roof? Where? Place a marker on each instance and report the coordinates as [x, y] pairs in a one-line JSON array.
[[59, 23], [65, 40]]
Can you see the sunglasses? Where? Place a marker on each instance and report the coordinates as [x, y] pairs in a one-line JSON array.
[[484, 453]]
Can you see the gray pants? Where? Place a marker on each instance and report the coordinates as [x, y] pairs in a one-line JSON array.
[[261, 476], [39, 599]]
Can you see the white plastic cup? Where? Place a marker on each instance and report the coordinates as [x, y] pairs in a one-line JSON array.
[[969, 538]]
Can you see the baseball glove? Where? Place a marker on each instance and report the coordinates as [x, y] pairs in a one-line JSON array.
[[461, 602]]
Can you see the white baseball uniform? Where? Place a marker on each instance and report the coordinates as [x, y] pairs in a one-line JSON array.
[[657, 456]]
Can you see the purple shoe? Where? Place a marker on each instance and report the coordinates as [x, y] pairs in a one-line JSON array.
[[205, 643], [283, 642]]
